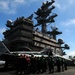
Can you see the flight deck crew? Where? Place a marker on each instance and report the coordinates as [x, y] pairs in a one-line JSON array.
[[24, 64], [28, 61], [62, 64], [43, 64], [18, 64], [65, 64], [58, 63], [21, 65], [51, 64], [33, 64], [38, 65]]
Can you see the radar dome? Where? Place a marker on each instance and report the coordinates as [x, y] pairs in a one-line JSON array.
[[9, 20], [60, 41], [9, 23]]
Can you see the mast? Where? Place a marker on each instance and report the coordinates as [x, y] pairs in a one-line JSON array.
[[44, 15], [54, 32]]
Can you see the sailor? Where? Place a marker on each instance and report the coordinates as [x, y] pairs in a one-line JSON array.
[[33, 64], [43, 64], [51, 64], [62, 64], [24, 64], [58, 63], [65, 64], [38, 65]]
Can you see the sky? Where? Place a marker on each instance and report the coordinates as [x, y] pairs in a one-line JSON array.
[[65, 21]]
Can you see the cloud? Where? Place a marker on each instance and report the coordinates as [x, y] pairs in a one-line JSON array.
[[10, 6], [69, 22], [71, 1], [63, 5], [58, 5], [71, 53]]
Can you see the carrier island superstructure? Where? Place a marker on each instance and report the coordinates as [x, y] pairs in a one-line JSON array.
[[24, 35]]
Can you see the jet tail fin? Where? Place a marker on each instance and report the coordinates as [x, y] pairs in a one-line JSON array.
[[3, 48]]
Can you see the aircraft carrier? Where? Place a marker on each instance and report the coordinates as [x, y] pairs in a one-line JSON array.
[[23, 35]]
